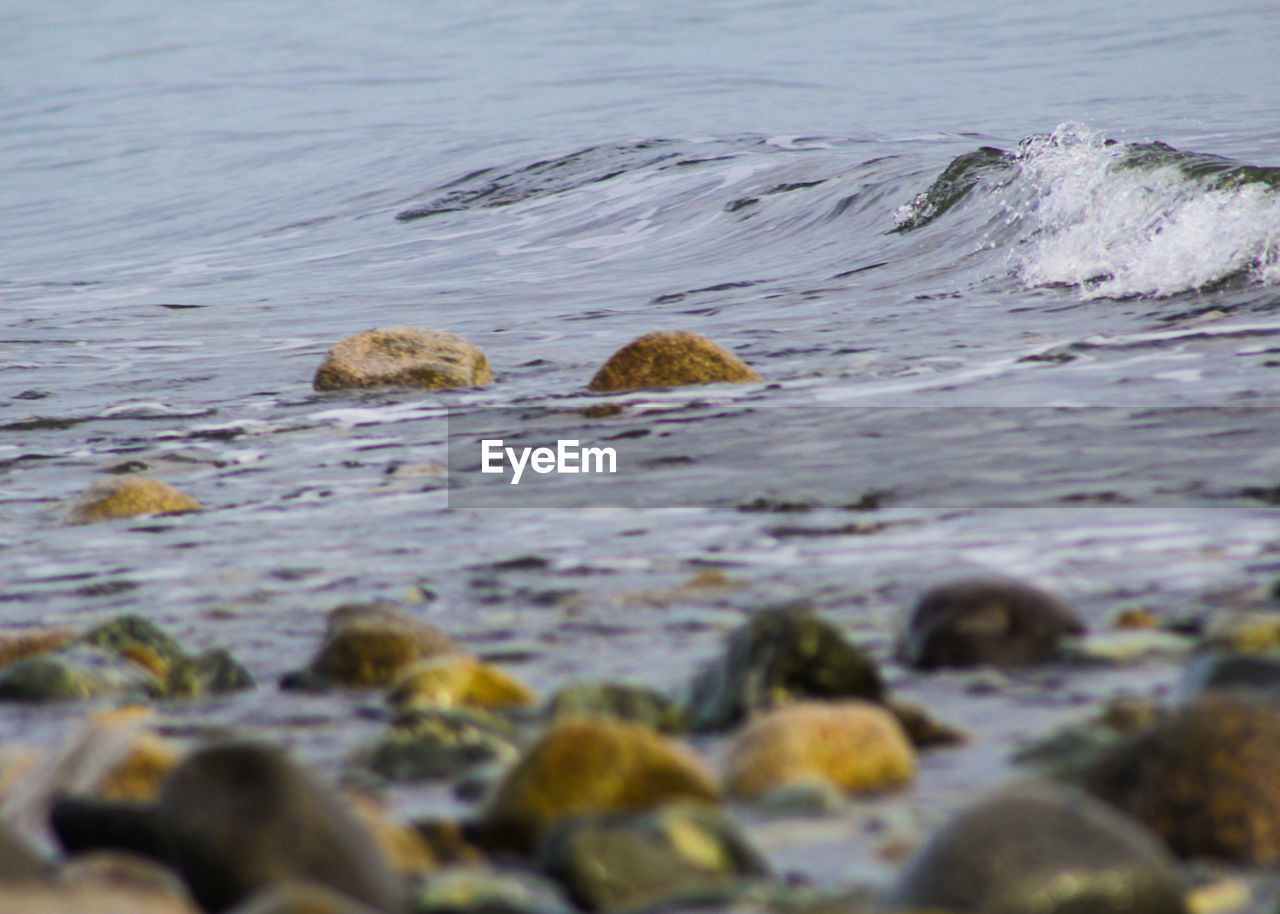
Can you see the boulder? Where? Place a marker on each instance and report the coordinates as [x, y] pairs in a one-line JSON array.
[[989, 621], [403, 357], [670, 358], [584, 765], [782, 654], [1043, 848], [129, 496], [456, 680], [855, 745], [1203, 778]]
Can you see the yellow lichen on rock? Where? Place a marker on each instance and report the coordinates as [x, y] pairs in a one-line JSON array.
[[370, 644], [457, 680], [855, 745], [670, 358], [138, 775], [589, 764], [403, 357], [15, 645], [129, 496]]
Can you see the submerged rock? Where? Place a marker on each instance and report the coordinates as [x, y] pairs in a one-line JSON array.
[[233, 818], [1038, 848], [781, 654], [428, 744], [368, 644], [659, 859], [585, 765], [986, 621], [1203, 778], [669, 358], [626, 702], [857, 746], [403, 357], [456, 680], [129, 496]]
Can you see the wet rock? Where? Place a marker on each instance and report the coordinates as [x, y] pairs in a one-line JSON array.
[[403, 845], [1126, 646], [781, 654], [19, 862], [16, 645], [658, 859], [368, 644], [670, 358], [1203, 778], [585, 765], [76, 673], [233, 818], [139, 640], [857, 746], [214, 672], [1044, 849], [625, 702], [986, 621], [403, 357], [300, 898], [112, 870], [924, 731], [1254, 674], [129, 496], [1068, 752], [456, 680], [442, 743], [482, 890], [1242, 632]]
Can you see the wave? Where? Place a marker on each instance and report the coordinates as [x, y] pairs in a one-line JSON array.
[[1115, 220]]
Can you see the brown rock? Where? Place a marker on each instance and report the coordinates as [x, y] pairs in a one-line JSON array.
[[855, 745], [403, 357], [456, 680], [669, 358], [587, 765], [370, 644], [15, 645], [1203, 778], [129, 496]]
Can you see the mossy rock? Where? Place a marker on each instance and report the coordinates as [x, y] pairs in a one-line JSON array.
[[1256, 675], [129, 496], [782, 654], [403, 357], [214, 672], [670, 358], [427, 744], [626, 702], [986, 621], [678, 853], [1041, 848], [855, 745], [367, 645], [483, 890], [19, 644], [457, 680], [1203, 778], [586, 765], [138, 637], [76, 673]]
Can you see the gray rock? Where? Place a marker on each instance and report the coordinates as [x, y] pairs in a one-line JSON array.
[[441, 743]]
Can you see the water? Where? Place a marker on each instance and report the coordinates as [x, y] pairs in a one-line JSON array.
[[196, 201]]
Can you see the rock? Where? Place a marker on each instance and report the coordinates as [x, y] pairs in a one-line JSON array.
[[139, 640], [858, 746], [1126, 646], [233, 818], [16, 645], [482, 890], [585, 765], [403, 357], [924, 731], [1068, 752], [214, 672], [300, 898], [441, 743], [19, 862], [658, 859], [129, 496], [368, 644], [781, 654], [986, 621], [1242, 632], [1041, 848], [456, 680], [1203, 778], [402, 844], [625, 702], [670, 358], [76, 672], [1253, 674]]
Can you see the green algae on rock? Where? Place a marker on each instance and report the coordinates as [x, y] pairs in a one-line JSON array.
[[584, 765], [129, 496], [403, 357], [626, 702], [990, 621], [670, 358], [781, 654], [1203, 778], [75, 673], [857, 746], [674, 854], [1041, 848], [367, 645]]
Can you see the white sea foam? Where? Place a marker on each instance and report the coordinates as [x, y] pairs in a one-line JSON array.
[[1122, 231]]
